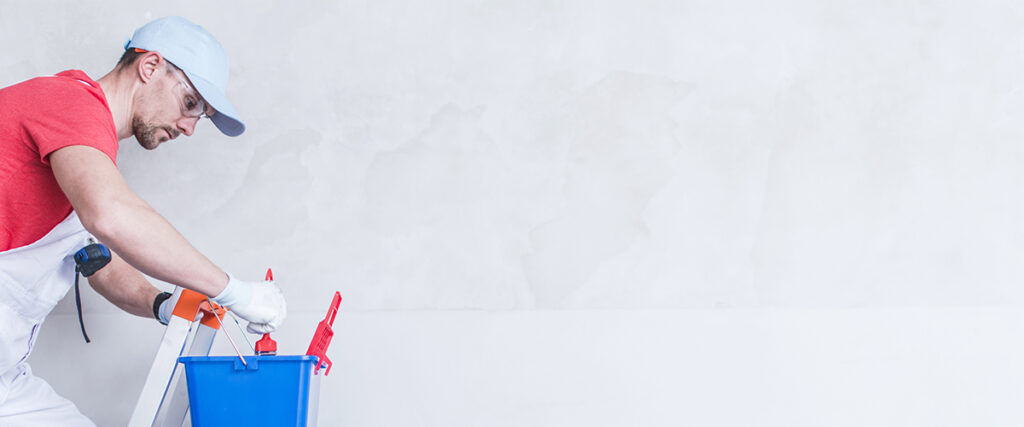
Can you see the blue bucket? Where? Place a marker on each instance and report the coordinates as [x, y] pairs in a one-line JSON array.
[[270, 391]]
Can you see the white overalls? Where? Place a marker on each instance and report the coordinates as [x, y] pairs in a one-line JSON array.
[[33, 279]]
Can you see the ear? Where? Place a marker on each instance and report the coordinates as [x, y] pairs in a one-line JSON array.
[[148, 66]]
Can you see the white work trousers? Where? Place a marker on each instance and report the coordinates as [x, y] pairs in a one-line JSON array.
[[33, 279]]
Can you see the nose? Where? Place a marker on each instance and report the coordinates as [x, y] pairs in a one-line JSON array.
[[187, 125]]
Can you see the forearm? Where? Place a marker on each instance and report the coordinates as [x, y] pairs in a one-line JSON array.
[[129, 226], [125, 287], [148, 242]]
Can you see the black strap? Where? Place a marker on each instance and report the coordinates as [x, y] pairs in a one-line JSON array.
[[88, 261], [160, 298], [78, 304]]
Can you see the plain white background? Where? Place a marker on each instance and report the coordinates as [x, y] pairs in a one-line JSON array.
[[562, 213]]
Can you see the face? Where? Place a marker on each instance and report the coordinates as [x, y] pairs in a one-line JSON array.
[[170, 108]]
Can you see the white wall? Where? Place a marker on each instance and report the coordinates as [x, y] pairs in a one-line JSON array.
[[595, 213]]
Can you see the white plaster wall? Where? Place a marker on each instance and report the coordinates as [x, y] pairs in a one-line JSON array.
[[562, 213]]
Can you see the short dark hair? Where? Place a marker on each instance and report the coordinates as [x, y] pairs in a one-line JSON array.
[[128, 58]]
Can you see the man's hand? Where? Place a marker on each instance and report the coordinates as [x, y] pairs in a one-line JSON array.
[[261, 303]]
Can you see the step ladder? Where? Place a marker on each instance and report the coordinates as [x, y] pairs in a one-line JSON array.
[[163, 401]]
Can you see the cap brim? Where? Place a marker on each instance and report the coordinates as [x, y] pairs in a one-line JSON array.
[[226, 118]]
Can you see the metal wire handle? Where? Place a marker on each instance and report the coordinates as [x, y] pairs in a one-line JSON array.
[[232, 341]]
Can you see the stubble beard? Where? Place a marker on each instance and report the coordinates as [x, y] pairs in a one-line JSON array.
[[146, 134]]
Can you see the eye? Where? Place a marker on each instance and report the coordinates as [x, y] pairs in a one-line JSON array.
[[190, 103]]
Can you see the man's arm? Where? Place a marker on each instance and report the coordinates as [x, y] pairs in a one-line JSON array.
[[124, 286], [128, 225]]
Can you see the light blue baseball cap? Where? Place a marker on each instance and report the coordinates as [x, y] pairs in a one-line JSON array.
[[194, 50]]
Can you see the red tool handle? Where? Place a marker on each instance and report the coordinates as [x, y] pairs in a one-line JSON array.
[[333, 311], [322, 337]]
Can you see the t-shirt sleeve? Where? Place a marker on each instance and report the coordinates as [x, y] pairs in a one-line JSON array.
[[67, 113]]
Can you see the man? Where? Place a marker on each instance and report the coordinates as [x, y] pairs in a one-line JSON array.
[[59, 184]]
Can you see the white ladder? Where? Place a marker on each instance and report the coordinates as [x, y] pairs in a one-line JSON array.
[[163, 401]]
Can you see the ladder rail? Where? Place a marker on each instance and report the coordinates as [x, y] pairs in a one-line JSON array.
[[163, 401]]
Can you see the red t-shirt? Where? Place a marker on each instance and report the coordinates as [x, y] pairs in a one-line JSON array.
[[38, 117]]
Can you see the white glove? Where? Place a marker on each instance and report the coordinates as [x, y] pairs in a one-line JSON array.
[[261, 303]]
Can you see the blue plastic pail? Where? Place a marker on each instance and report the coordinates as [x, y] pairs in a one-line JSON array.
[[270, 391]]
